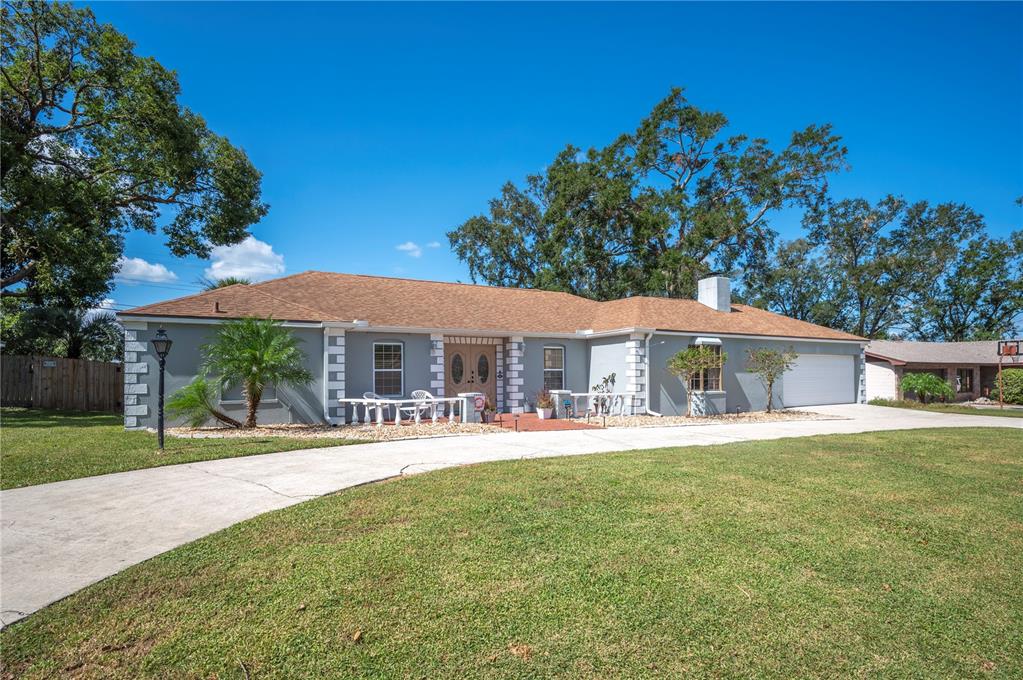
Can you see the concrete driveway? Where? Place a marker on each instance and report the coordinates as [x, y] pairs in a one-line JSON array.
[[58, 538]]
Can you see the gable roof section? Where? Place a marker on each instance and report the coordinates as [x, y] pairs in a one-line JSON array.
[[899, 352], [230, 302], [672, 314], [404, 303]]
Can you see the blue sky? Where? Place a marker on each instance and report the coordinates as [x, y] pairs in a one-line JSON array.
[[388, 124]]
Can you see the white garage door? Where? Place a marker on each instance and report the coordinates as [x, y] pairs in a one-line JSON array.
[[820, 379]]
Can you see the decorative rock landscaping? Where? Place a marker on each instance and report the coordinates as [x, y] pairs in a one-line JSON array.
[[369, 433], [390, 432], [668, 421]]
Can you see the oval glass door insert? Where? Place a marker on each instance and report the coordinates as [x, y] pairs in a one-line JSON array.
[[457, 369]]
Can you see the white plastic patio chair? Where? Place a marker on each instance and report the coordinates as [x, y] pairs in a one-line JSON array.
[[423, 405]]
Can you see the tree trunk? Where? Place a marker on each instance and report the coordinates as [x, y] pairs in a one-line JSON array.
[[74, 347], [689, 398], [252, 397], [770, 395], [224, 418]]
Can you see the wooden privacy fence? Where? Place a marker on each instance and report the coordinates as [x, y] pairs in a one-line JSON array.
[[61, 384]]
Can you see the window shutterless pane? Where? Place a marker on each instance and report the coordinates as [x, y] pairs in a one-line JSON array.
[[387, 382], [554, 380], [554, 368], [553, 357], [387, 356], [387, 368]]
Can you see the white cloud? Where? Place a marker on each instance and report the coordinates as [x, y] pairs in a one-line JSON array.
[[251, 259], [106, 306], [413, 249], [433, 244], [137, 270]]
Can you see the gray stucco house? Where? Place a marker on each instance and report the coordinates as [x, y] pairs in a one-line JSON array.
[[392, 336]]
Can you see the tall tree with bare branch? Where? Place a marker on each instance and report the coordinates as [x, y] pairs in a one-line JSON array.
[[93, 144], [652, 212]]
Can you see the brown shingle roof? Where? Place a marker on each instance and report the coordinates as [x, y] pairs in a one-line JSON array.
[[405, 303], [979, 352], [690, 315]]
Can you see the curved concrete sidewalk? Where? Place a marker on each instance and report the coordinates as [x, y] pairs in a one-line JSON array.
[[58, 538]]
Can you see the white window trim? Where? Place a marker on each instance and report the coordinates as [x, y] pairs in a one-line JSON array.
[[552, 370], [400, 371]]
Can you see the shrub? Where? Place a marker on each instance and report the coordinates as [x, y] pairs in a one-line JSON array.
[[926, 386], [544, 399], [195, 403], [1012, 382]]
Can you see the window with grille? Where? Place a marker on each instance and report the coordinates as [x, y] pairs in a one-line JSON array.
[[707, 379], [388, 364], [554, 368]]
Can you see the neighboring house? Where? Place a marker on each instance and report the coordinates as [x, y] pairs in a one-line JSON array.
[[393, 336], [970, 368]]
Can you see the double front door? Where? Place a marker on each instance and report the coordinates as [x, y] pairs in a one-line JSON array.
[[470, 368]]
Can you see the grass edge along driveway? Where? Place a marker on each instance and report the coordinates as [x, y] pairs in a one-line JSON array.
[[890, 553], [39, 446], [939, 407]]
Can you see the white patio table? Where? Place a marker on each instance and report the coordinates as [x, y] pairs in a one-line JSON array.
[[436, 404]]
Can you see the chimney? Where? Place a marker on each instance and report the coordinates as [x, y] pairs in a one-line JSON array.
[[716, 293]]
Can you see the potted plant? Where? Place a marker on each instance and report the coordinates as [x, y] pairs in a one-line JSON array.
[[488, 411], [544, 404]]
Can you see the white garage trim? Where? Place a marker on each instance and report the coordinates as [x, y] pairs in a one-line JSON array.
[[817, 379]]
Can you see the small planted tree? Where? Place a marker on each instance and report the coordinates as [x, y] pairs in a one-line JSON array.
[[196, 403], [769, 365], [605, 386], [926, 386], [254, 353], [692, 361]]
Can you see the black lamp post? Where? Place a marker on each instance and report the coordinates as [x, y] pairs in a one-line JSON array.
[[161, 345]]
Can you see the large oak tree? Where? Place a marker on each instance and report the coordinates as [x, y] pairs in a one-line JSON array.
[[652, 212], [896, 269], [95, 143]]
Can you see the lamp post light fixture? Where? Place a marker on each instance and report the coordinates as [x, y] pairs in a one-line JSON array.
[[161, 345]]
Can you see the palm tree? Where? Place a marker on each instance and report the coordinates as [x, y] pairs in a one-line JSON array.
[[208, 283], [254, 353], [73, 333]]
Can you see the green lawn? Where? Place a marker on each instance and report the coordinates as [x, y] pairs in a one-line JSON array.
[[950, 408], [880, 555], [39, 446]]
